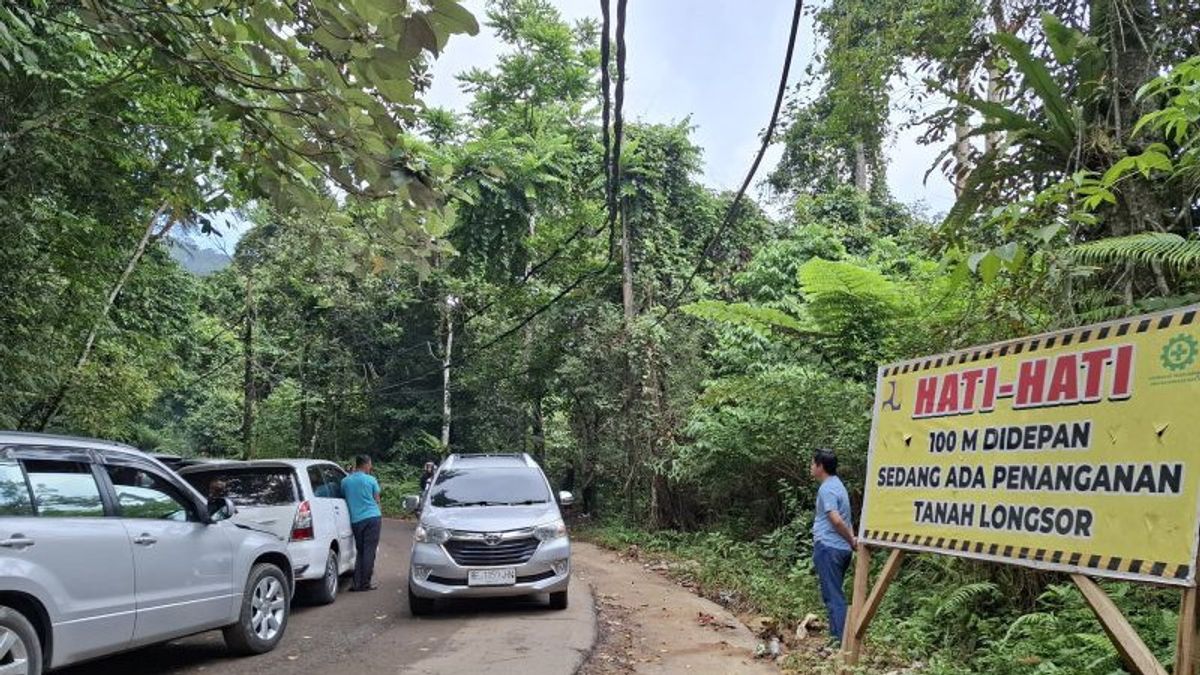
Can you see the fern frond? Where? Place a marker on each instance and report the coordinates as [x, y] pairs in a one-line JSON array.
[[760, 319], [820, 279], [1168, 249], [1041, 620], [964, 595]]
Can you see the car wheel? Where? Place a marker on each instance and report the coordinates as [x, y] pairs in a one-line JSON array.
[[325, 591], [20, 649], [558, 600], [419, 606], [265, 609]]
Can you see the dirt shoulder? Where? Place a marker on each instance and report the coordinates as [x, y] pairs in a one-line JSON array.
[[649, 624]]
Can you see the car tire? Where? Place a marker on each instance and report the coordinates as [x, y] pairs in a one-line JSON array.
[[558, 600], [325, 590], [266, 606], [418, 606], [26, 647]]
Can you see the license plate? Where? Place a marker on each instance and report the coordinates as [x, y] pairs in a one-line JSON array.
[[498, 577]]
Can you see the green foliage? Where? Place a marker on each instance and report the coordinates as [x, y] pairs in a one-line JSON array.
[[1146, 247], [762, 320]]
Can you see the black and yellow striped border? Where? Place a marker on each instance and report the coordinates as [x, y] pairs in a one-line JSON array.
[[1120, 328], [1038, 556]]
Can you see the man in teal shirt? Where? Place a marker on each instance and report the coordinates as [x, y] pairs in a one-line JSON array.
[[361, 491]]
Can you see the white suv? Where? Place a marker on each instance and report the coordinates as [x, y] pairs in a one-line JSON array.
[[298, 500], [103, 549]]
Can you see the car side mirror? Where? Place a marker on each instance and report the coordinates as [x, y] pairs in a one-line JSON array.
[[565, 498], [411, 503], [220, 508]]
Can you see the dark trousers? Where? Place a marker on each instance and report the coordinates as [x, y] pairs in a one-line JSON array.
[[831, 564], [366, 541]]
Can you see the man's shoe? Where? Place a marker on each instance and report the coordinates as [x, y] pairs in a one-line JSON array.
[[372, 586]]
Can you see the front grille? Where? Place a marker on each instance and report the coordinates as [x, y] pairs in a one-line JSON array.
[[475, 553]]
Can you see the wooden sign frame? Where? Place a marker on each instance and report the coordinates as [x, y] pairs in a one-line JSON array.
[[1136, 656]]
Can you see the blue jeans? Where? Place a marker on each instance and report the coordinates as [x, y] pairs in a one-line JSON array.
[[831, 564], [366, 541]]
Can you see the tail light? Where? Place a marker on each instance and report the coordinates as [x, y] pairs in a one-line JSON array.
[[302, 527]]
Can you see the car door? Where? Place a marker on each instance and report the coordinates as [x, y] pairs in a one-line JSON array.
[[333, 478], [183, 566], [58, 543]]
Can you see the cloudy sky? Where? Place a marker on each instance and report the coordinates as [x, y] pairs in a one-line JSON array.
[[717, 61]]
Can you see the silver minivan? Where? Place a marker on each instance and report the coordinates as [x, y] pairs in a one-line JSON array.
[[490, 526], [103, 549]]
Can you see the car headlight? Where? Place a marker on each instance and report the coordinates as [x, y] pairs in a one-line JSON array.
[[431, 535], [550, 531]]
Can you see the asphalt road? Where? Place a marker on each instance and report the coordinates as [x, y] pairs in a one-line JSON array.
[[373, 633]]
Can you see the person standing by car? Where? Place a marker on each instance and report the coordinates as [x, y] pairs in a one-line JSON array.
[[833, 538], [427, 476], [361, 492]]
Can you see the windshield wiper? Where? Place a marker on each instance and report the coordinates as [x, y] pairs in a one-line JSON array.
[[482, 503], [528, 502]]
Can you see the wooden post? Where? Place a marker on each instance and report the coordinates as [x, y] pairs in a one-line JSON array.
[[1185, 638], [863, 617], [851, 643], [1136, 655]]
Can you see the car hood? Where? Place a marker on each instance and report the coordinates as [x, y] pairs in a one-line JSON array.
[[490, 518]]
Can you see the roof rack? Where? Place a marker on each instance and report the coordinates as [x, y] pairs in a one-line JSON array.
[[520, 457]]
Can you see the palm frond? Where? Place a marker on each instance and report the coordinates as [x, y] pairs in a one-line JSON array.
[[1062, 116]]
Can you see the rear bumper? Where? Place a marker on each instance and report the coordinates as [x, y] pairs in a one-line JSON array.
[[308, 559], [434, 574]]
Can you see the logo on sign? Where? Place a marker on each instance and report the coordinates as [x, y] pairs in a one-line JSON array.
[[1179, 353]]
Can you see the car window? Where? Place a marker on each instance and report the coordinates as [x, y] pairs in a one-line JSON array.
[[64, 489], [246, 487], [333, 480], [488, 487], [141, 494], [317, 480], [14, 493]]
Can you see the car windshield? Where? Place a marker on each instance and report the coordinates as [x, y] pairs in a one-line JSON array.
[[247, 487], [489, 487]]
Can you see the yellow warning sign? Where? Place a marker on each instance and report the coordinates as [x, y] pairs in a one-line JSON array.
[[1076, 451]]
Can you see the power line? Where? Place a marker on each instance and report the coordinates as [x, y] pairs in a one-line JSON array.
[[766, 143]]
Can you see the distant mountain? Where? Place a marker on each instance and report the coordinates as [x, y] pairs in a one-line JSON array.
[[199, 261]]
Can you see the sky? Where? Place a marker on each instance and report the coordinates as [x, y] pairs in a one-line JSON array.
[[715, 61]]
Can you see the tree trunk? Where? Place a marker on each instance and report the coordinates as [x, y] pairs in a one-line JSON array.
[[40, 416], [626, 268], [995, 94], [1001, 23], [303, 435], [962, 128], [862, 178], [535, 427], [538, 428], [248, 393], [446, 357]]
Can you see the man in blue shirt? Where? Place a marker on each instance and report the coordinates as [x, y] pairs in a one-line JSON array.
[[833, 538], [361, 492]]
